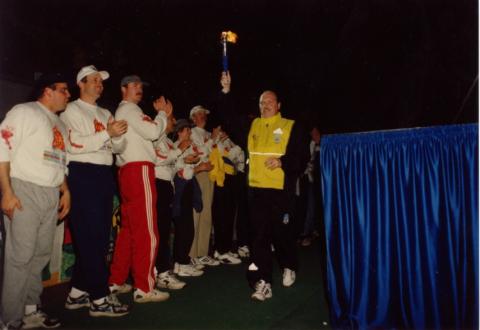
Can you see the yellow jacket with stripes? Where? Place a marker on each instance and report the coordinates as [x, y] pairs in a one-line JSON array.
[[268, 137]]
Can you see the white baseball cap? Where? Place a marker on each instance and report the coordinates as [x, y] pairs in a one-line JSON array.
[[89, 69], [198, 108]]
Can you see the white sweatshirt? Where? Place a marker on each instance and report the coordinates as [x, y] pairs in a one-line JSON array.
[[202, 140], [141, 133], [87, 133], [232, 152], [167, 154], [34, 142], [184, 170]]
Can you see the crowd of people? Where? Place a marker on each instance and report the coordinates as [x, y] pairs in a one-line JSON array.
[[237, 183]]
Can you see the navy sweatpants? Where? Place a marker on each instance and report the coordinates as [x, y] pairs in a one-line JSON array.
[[92, 188]]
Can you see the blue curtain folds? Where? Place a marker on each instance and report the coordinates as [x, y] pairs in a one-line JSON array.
[[401, 221]]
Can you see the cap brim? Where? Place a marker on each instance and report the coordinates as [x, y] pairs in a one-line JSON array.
[[104, 74]]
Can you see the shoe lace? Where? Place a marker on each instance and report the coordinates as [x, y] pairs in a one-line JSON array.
[[113, 300]]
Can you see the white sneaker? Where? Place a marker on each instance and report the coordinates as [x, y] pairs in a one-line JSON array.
[[186, 270], [227, 258], [243, 251], [233, 254], [288, 277], [263, 290], [117, 289], [39, 319], [153, 296], [168, 280], [196, 264], [207, 261]]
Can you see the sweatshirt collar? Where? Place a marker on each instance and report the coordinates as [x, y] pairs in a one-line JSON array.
[[271, 120]]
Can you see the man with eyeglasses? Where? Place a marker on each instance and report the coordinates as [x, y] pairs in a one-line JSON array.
[[34, 196]]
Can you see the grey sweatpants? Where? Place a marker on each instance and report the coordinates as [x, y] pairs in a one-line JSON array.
[[28, 247]]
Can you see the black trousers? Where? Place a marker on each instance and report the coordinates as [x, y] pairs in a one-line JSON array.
[[184, 229], [91, 187], [223, 214], [242, 217], [272, 223], [164, 222]]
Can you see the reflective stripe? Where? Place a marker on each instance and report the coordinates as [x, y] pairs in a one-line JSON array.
[[266, 153], [153, 240]]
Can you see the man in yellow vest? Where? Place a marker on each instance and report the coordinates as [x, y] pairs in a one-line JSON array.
[[275, 160]]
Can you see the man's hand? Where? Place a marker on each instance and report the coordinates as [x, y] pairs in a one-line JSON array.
[[272, 163], [163, 104], [64, 204], [116, 128], [10, 202], [203, 167], [192, 159], [184, 145], [225, 81], [216, 132], [223, 136]]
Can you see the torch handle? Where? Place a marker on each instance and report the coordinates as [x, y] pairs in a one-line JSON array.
[[225, 63], [224, 55]]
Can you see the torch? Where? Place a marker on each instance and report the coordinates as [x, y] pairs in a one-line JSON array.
[[226, 36]]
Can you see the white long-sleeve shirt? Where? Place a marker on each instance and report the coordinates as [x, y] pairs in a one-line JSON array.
[[141, 133], [184, 170], [232, 152], [167, 155], [201, 138], [87, 132], [33, 140]]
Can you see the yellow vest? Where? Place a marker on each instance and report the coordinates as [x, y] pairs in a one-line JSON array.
[[268, 137]]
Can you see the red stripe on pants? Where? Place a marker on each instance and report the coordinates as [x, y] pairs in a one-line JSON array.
[[137, 241]]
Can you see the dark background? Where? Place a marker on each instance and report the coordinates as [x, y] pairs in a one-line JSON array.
[[348, 65]]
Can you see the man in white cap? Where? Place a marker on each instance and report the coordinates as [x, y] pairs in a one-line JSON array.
[[34, 196], [203, 220], [94, 136]]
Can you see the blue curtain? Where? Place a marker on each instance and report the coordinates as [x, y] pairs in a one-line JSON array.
[[401, 221]]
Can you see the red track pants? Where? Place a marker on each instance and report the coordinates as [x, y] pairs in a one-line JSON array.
[[137, 241]]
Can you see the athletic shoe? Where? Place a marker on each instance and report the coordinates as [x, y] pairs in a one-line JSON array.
[[110, 307], [168, 280], [207, 261], [186, 270], [117, 289], [263, 290], [233, 254], [39, 319], [196, 264], [243, 251], [288, 277], [77, 303], [227, 258], [153, 296]]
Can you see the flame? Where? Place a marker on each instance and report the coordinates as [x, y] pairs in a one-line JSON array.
[[229, 36]]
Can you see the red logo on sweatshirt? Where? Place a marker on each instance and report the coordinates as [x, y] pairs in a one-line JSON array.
[[159, 155], [98, 126], [58, 142], [7, 134], [148, 119], [73, 144], [195, 150]]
